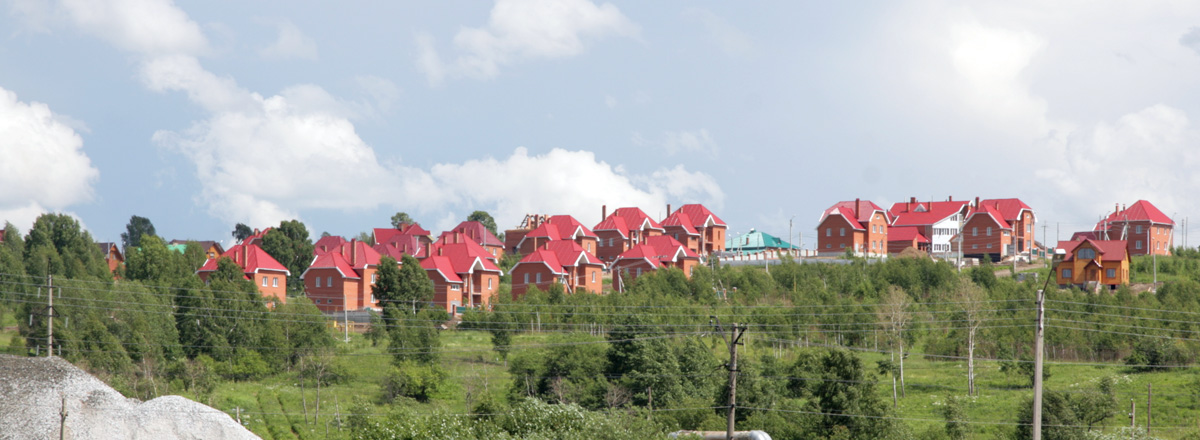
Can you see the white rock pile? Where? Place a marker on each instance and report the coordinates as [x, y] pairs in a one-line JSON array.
[[34, 392]]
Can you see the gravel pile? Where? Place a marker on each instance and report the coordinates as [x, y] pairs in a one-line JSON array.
[[33, 392]]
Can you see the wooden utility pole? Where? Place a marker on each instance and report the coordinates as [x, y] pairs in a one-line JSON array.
[[1038, 345], [736, 332], [346, 322], [1132, 414], [50, 316]]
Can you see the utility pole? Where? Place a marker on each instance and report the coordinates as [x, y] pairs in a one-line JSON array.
[[1038, 346], [346, 323], [49, 315], [1149, 405], [736, 332]]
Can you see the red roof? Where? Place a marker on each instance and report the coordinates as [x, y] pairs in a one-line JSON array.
[[442, 266], [924, 213], [866, 210], [546, 230], [332, 260], [1139, 211], [251, 258], [387, 235], [659, 250], [631, 219], [680, 219], [478, 232], [701, 216], [327, 244], [990, 211], [1084, 235], [1010, 209], [560, 254], [543, 256], [464, 255], [569, 227], [1109, 250], [906, 234]]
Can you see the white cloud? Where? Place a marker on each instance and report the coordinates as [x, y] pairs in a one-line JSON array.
[[524, 29], [990, 62], [44, 166], [1191, 39], [150, 27], [1149, 154], [291, 43], [729, 38], [674, 142], [381, 90]]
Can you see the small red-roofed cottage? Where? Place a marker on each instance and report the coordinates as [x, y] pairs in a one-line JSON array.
[[623, 229], [1103, 262], [562, 261], [556, 228], [709, 229], [342, 277], [267, 274], [475, 267], [477, 231], [656, 252], [986, 233], [447, 285], [904, 237], [1142, 225], [860, 226]]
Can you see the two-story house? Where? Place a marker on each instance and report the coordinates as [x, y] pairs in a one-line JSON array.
[[653, 253], [1093, 262], [474, 266], [564, 262], [985, 233], [112, 255], [257, 266], [622, 230], [342, 277], [480, 233], [1145, 228], [555, 228], [936, 221], [696, 227], [859, 226], [1020, 217]]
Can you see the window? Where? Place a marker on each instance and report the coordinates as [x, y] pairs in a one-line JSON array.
[[539, 277], [455, 287], [842, 232], [593, 277], [974, 246], [329, 281], [1111, 273], [318, 281], [1028, 229], [989, 231], [827, 245], [1087, 254], [842, 246], [373, 298], [274, 281], [1137, 244], [639, 272], [828, 232], [1066, 273], [1138, 229], [526, 278], [974, 231], [989, 246], [374, 277], [264, 282]]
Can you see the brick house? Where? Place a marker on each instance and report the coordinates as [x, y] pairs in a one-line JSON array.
[[904, 237], [562, 261], [408, 237], [257, 266], [986, 233], [1102, 262], [622, 230], [555, 228], [475, 267], [708, 229], [112, 255], [1020, 217], [342, 277], [937, 221], [447, 285], [1145, 228], [655, 252], [480, 233], [860, 226]]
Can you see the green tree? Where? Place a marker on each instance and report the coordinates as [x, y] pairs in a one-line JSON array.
[[58, 245], [839, 385], [152, 261], [242, 232], [485, 218], [401, 218], [402, 293], [135, 230], [291, 246]]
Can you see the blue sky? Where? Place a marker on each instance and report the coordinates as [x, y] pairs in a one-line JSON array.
[[200, 115]]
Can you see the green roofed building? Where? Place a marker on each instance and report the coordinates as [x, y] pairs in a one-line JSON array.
[[756, 241]]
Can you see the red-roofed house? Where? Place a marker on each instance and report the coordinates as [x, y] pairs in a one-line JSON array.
[[1018, 215], [328, 244], [986, 233], [656, 252], [622, 230], [939, 221], [904, 237], [860, 226], [409, 238], [474, 266], [562, 261], [1094, 261], [480, 233], [258, 267], [708, 228], [342, 277], [112, 255], [257, 237], [447, 285], [556, 228], [1146, 229]]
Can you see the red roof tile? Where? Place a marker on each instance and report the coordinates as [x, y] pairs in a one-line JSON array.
[[443, 267], [680, 219], [924, 213], [866, 210], [569, 227], [1109, 250], [659, 250], [632, 219], [332, 260], [465, 255], [252, 260], [327, 244], [478, 232], [906, 234], [1139, 211], [1010, 209], [990, 211], [701, 216]]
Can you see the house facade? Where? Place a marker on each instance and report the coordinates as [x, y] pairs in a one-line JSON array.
[[342, 277], [859, 226], [1093, 262], [937, 221], [1020, 218], [622, 230], [985, 233], [258, 266], [477, 231], [904, 237], [1145, 228], [112, 255], [447, 285], [656, 252], [475, 268], [564, 262], [708, 230]]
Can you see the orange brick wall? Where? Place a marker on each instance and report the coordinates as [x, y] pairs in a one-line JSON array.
[[976, 241]]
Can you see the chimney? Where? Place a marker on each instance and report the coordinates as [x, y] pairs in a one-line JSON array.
[[856, 203], [1116, 208], [603, 212], [245, 255], [353, 252], [976, 201], [950, 199], [439, 252], [668, 210]]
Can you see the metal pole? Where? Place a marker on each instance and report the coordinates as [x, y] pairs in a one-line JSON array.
[[346, 323]]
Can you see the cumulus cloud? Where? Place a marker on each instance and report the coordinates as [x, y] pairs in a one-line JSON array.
[[1149, 154], [44, 166], [291, 43], [143, 26], [687, 142], [990, 62], [523, 29]]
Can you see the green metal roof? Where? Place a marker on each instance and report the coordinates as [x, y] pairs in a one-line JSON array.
[[177, 247], [755, 241]]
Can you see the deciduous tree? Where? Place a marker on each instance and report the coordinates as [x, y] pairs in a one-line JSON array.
[[135, 230]]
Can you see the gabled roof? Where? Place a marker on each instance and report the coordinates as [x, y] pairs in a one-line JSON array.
[[332, 260], [400, 245], [1009, 209], [571, 253], [681, 220], [1084, 235], [632, 218], [464, 255], [915, 213], [443, 267], [700, 215], [250, 257], [1139, 211], [658, 250], [359, 254], [391, 250], [257, 236], [989, 211], [543, 256], [756, 240], [569, 227], [328, 244], [387, 235], [105, 248], [906, 234], [546, 230], [478, 232], [1108, 250], [204, 244], [866, 210]]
